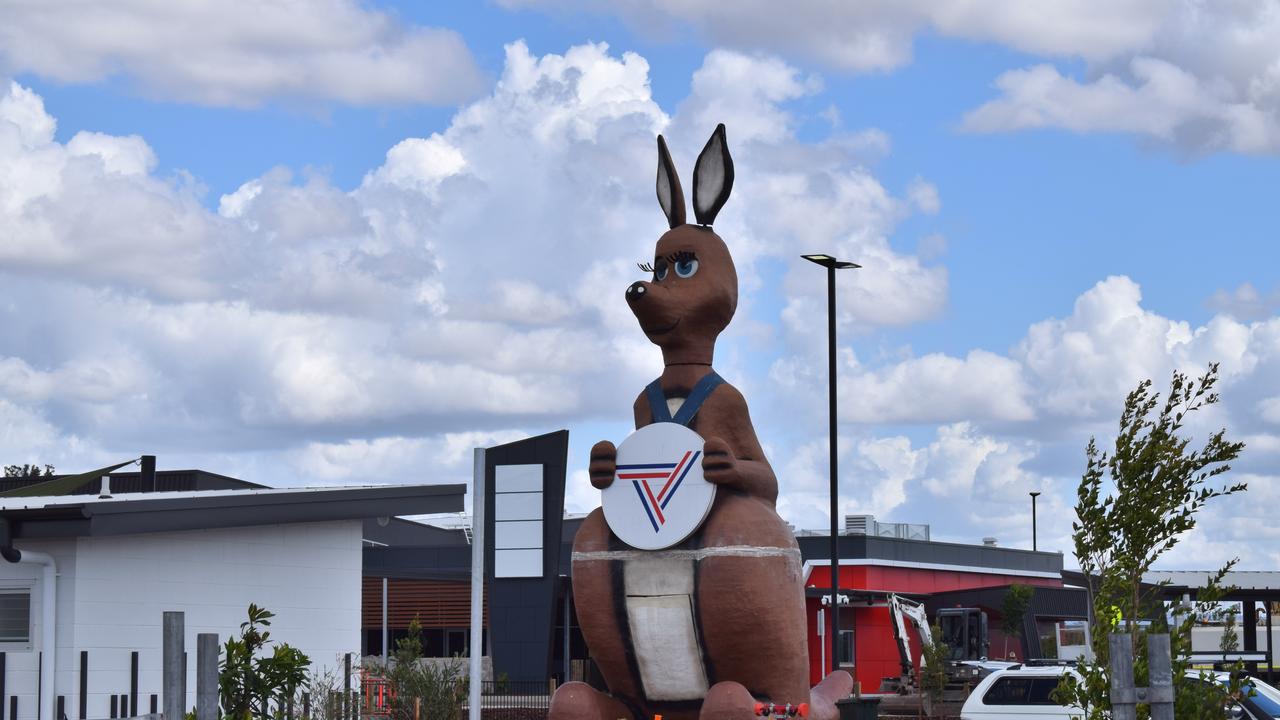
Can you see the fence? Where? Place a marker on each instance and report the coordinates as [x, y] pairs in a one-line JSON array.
[[515, 700], [374, 699], [499, 700]]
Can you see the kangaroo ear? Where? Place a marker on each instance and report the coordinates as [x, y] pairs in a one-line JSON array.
[[670, 196], [712, 178]]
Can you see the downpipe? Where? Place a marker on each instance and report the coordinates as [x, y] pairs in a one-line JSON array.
[[48, 610]]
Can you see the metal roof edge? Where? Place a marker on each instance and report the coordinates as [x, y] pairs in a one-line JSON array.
[[201, 510]]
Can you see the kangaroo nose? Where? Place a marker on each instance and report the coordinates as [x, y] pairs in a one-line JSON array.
[[636, 291]]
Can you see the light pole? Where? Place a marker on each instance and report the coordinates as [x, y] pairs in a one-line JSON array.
[[1033, 520], [832, 264]]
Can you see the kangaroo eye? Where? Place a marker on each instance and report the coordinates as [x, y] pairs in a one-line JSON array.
[[686, 268], [660, 269]]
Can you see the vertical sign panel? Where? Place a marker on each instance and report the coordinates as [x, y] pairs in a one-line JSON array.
[[517, 539]]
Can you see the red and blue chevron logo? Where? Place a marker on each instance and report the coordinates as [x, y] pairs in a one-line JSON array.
[[671, 475]]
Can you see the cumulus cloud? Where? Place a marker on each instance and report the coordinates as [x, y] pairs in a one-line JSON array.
[[241, 53], [990, 428], [1198, 77], [470, 283], [1205, 79], [933, 479], [878, 35], [1245, 303], [1075, 369], [442, 458], [468, 291], [1155, 99]]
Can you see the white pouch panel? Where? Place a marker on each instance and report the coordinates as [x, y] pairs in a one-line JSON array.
[[667, 647]]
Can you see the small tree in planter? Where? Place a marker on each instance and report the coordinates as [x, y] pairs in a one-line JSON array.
[[254, 687], [933, 670], [1017, 599], [438, 686], [1133, 505]]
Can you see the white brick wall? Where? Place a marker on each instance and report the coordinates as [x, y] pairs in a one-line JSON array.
[[113, 591]]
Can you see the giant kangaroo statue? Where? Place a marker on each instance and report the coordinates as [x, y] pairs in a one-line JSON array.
[[737, 634]]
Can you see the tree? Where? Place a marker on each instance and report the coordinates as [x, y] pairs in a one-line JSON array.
[[1133, 505], [1013, 613], [253, 687], [437, 686], [27, 471], [1230, 642], [934, 658]]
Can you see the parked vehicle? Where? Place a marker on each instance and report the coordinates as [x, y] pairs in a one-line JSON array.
[[1022, 693], [1018, 693]]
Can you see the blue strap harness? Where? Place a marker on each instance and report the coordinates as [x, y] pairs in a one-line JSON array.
[[692, 404]]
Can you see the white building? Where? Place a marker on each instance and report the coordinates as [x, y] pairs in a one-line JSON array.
[[121, 562]]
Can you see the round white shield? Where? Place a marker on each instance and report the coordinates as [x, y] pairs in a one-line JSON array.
[[658, 496]]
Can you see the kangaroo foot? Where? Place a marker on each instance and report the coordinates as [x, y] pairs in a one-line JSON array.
[[580, 701], [823, 697], [728, 701]]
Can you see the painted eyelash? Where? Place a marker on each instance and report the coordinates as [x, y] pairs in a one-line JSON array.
[[672, 259]]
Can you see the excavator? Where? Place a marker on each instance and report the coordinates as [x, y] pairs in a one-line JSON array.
[[964, 630]]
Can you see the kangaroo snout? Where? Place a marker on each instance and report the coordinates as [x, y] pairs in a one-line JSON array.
[[636, 291]]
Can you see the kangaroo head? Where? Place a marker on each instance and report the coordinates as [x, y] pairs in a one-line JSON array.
[[694, 290]]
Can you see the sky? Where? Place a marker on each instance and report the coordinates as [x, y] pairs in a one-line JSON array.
[[343, 242]]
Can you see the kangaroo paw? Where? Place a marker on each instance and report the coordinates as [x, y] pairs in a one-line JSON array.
[[580, 701], [823, 697]]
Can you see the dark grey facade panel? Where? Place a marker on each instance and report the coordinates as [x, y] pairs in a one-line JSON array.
[[857, 547], [430, 563], [1046, 603], [522, 611], [399, 532]]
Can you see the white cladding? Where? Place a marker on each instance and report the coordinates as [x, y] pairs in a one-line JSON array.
[[112, 592], [517, 516]]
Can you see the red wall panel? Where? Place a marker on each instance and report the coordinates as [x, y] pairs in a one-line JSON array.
[[876, 651]]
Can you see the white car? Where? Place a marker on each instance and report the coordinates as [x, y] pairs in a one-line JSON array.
[[1018, 693], [1022, 693]]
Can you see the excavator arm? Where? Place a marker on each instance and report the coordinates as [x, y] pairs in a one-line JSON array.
[[904, 609]]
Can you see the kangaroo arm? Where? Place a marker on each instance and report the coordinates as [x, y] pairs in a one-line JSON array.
[[755, 478]]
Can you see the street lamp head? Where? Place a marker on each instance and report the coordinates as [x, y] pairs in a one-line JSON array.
[[827, 261], [1034, 494]]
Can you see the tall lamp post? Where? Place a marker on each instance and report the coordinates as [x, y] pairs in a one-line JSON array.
[[832, 264], [1033, 520]]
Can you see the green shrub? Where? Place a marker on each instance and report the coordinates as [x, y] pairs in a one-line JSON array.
[[254, 687]]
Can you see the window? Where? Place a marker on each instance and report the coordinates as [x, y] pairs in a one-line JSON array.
[[1021, 691], [844, 648], [15, 615], [1041, 688], [1008, 691], [457, 643]]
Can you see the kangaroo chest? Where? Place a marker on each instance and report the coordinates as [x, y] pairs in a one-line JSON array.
[[660, 604]]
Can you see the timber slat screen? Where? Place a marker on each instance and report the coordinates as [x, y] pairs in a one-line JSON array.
[[436, 603]]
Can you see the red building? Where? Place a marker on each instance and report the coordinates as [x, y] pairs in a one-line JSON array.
[[890, 558], [427, 571]]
